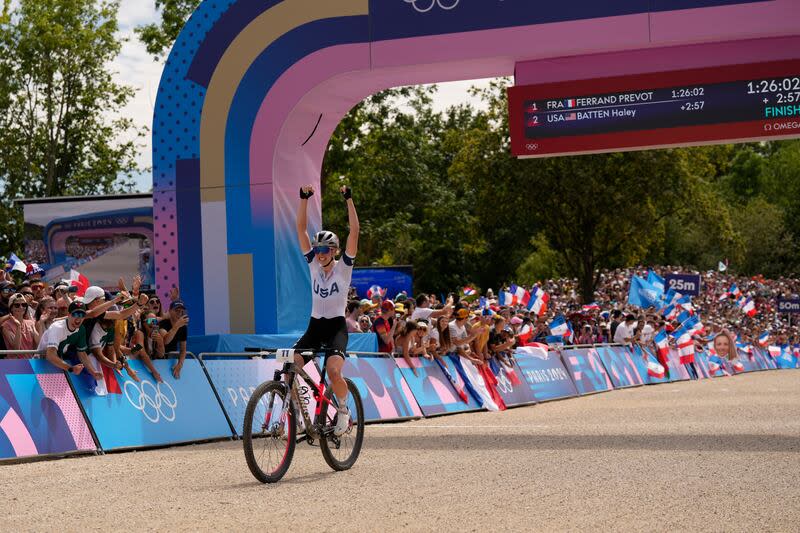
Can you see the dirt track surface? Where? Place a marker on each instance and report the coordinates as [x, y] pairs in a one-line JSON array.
[[715, 455]]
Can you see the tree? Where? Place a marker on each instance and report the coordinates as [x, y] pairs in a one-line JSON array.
[[60, 127], [158, 38]]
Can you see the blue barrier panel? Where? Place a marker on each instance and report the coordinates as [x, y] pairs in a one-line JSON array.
[[384, 392], [677, 372], [38, 411], [152, 414], [749, 363], [434, 392], [357, 342], [650, 358], [765, 361], [620, 366], [587, 370], [701, 364], [545, 374], [786, 359], [511, 384], [235, 380]]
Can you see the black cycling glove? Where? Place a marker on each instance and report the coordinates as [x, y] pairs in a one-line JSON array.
[[305, 195], [347, 193]]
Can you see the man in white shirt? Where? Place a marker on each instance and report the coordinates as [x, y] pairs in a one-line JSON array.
[[423, 310], [624, 333]]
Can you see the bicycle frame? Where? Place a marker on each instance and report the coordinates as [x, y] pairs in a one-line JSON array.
[[291, 370]]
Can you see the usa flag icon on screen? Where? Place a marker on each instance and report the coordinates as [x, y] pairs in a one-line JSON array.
[[571, 116], [570, 103]]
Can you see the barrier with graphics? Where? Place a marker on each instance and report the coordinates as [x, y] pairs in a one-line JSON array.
[[435, 393], [384, 392], [511, 384], [587, 370], [545, 374], [701, 364], [134, 415], [620, 365], [38, 412], [677, 371]]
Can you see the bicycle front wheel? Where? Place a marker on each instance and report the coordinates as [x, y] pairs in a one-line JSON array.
[[341, 452], [269, 432]]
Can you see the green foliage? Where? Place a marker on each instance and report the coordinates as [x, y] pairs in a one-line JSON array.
[[158, 38], [542, 264], [60, 125]]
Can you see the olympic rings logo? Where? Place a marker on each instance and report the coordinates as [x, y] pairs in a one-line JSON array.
[[503, 383], [151, 400], [419, 5]]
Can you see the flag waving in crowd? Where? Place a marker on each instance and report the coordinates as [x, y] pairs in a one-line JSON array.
[[538, 301]]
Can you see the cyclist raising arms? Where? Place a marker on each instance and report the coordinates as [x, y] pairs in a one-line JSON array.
[[330, 282]]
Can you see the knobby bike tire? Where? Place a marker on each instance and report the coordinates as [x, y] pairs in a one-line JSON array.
[[251, 448], [358, 426]]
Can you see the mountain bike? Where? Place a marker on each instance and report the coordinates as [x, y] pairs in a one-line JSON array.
[[271, 423]]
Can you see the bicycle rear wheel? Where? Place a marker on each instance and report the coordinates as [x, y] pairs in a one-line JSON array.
[[341, 452], [269, 436]]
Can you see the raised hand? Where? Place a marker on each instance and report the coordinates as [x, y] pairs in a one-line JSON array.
[[306, 192]]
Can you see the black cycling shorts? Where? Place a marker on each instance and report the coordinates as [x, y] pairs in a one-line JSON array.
[[328, 333]]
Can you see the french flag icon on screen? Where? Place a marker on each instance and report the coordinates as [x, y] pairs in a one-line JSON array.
[[570, 103]]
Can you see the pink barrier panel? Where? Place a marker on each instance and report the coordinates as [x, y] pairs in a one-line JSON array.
[[677, 372], [621, 367], [38, 412], [587, 370], [433, 390]]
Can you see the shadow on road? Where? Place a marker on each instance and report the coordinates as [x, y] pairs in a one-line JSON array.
[[663, 442]]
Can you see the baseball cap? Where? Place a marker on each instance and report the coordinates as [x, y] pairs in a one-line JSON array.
[[366, 304], [462, 313], [387, 305], [402, 297], [516, 320], [76, 306], [177, 304], [92, 294], [400, 308], [6, 284]]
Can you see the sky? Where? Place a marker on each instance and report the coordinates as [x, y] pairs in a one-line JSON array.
[[136, 68]]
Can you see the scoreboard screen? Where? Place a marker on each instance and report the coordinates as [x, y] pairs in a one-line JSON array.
[[690, 107]]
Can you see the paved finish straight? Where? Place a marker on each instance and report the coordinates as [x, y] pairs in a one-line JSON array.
[[715, 455]]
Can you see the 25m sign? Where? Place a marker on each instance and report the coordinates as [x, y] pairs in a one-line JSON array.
[[686, 284]]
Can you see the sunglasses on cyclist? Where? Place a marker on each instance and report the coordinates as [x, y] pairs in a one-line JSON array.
[[323, 249], [78, 314]]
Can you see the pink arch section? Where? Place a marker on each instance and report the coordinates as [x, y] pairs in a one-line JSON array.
[[18, 435]]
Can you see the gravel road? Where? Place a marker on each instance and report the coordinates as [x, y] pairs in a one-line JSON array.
[[714, 455]]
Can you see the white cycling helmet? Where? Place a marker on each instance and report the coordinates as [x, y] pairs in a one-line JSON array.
[[325, 238]]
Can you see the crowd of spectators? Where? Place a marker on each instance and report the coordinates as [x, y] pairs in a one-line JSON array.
[[83, 329], [481, 328]]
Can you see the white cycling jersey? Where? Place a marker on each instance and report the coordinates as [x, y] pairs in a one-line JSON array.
[[329, 293]]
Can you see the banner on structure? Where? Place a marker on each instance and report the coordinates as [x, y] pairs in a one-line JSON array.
[[384, 391], [587, 370], [438, 389], [38, 412], [545, 374], [621, 367], [148, 413]]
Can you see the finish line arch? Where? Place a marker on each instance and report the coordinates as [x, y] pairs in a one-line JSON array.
[[253, 90]]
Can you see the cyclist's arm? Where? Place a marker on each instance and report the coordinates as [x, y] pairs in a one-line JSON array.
[[302, 224], [355, 228]]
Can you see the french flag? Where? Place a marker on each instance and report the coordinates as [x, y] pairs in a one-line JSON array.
[[559, 327], [735, 291], [685, 347], [655, 370], [571, 103], [774, 351], [505, 298], [376, 289], [671, 312], [662, 347], [469, 291], [76, 279], [591, 307], [538, 301], [521, 296], [686, 303], [748, 307], [763, 339], [737, 365]]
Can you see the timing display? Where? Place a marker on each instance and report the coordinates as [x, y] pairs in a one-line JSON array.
[[745, 102]]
